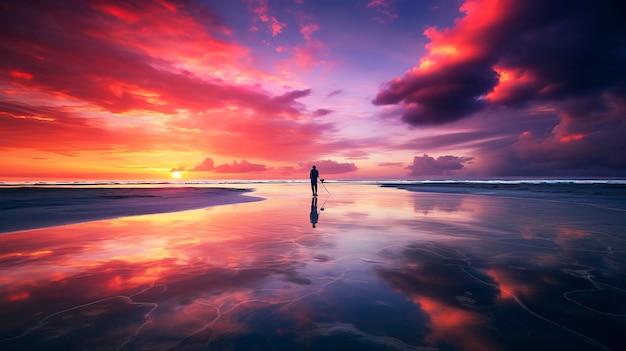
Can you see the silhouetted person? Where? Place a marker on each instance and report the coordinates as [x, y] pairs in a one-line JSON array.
[[314, 216], [314, 174]]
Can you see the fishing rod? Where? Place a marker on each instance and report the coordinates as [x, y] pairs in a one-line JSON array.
[[322, 180]]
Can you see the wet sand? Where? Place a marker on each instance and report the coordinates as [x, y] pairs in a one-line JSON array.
[[383, 269]]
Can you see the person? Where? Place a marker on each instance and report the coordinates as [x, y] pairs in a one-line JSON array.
[[314, 174], [314, 216]]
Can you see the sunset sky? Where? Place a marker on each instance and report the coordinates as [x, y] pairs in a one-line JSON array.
[[263, 89]]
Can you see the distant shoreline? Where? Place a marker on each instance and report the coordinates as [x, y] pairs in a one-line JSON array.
[[617, 190]]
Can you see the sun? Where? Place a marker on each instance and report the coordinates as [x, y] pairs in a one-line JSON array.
[[177, 175]]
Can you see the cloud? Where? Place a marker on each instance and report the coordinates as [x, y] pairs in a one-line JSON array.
[[313, 54], [65, 131], [575, 145], [290, 96], [107, 61], [240, 167], [328, 167], [206, 166], [430, 276], [511, 52], [99, 82], [334, 93], [261, 9], [383, 7], [390, 164], [443, 165], [321, 112], [518, 56], [307, 30], [249, 134]]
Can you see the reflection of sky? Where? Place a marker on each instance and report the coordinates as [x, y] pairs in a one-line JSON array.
[[383, 268]]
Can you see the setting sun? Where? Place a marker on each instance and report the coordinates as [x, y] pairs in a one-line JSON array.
[[177, 175]]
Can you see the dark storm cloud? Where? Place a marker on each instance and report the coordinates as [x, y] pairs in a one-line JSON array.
[[520, 55], [441, 97], [540, 51]]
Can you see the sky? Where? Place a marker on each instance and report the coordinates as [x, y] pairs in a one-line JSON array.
[[264, 89]]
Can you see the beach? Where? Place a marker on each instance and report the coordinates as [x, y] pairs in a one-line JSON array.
[[367, 266]]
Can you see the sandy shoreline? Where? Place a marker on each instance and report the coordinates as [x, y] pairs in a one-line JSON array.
[[33, 208]]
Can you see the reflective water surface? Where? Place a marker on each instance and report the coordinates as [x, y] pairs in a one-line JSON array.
[[365, 268]]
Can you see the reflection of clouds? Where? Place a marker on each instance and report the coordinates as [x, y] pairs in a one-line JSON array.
[[259, 276], [441, 280], [444, 203], [199, 271], [465, 292], [509, 284], [452, 324]]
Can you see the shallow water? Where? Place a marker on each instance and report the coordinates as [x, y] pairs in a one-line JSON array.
[[383, 269]]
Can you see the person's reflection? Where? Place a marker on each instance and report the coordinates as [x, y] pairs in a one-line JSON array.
[[314, 216]]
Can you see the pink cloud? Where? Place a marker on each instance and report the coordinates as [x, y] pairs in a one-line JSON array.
[[110, 69], [67, 131], [261, 9], [109, 62], [313, 54], [277, 27], [308, 30], [240, 167], [383, 7], [259, 137], [206, 166]]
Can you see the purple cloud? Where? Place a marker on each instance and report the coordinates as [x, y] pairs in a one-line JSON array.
[[443, 165], [321, 112], [334, 93]]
